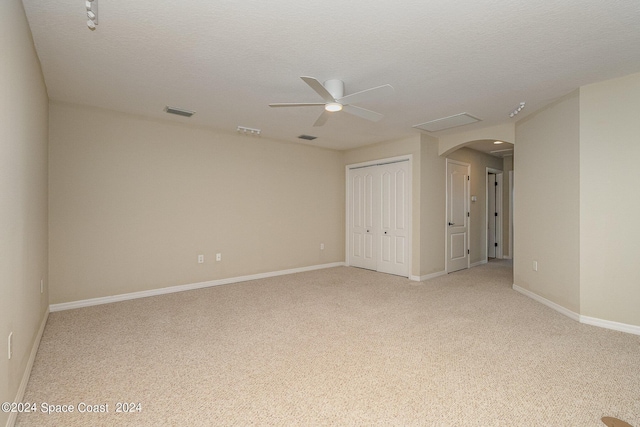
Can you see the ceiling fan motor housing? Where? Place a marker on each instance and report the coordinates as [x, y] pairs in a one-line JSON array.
[[335, 88]]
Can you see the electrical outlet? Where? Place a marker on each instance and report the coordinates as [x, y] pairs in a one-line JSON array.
[[322, 246], [200, 259], [218, 257], [10, 345], [535, 265]]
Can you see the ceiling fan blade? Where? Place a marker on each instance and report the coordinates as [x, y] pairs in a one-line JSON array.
[[322, 119], [376, 92], [294, 104], [361, 112], [319, 88]]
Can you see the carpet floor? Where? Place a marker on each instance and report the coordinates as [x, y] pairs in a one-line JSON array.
[[340, 346]]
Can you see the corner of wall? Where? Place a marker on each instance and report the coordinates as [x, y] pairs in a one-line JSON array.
[[432, 206], [609, 173], [23, 160], [547, 203]]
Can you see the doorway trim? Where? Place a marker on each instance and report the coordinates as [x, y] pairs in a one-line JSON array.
[[510, 256], [499, 208], [379, 162]]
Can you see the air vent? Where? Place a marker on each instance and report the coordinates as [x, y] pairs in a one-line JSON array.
[[179, 111], [307, 137], [448, 122]]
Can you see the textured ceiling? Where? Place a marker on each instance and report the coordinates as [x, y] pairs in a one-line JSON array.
[[228, 59]]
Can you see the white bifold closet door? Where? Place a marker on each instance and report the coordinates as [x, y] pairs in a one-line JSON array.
[[378, 223]]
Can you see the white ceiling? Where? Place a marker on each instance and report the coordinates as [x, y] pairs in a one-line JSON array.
[[229, 59]]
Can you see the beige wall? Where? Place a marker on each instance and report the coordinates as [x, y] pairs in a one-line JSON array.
[[133, 202], [389, 149], [478, 226], [609, 203], [23, 192], [432, 206], [547, 203]]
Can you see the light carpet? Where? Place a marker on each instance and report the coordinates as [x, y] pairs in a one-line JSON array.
[[340, 346]]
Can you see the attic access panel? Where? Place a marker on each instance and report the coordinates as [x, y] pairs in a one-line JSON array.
[[448, 122]]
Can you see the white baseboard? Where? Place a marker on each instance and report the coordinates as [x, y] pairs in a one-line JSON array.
[[428, 276], [27, 370], [189, 287], [475, 264], [557, 307], [607, 324]]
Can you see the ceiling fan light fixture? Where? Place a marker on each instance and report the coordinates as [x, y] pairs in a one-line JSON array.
[[332, 107], [332, 93]]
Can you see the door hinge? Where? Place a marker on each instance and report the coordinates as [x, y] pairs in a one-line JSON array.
[[467, 213], [467, 251], [496, 213], [495, 183], [468, 178], [496, 245]]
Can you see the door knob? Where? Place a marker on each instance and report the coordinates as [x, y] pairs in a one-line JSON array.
[[451, 223], [385, 232]]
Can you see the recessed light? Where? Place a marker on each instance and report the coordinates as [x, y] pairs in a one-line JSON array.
[[498, 142]]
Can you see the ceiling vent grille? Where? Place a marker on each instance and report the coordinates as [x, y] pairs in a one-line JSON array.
[[179, 111], [448, 122], [307, 137]]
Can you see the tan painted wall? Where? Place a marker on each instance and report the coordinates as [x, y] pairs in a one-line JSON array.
[[23, 192], [479, 163], [133, 202], [432, 206], [389, 149], [547, 202], [609, 202]]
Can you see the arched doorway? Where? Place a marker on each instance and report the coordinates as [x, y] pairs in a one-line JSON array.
[[490, 233]]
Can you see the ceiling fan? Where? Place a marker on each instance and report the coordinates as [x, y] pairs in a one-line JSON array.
[[332, 91]]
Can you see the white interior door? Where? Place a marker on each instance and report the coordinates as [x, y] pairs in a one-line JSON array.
[[458, 176], [361, 226], [379, 218], [393, 230], [491, 215]]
